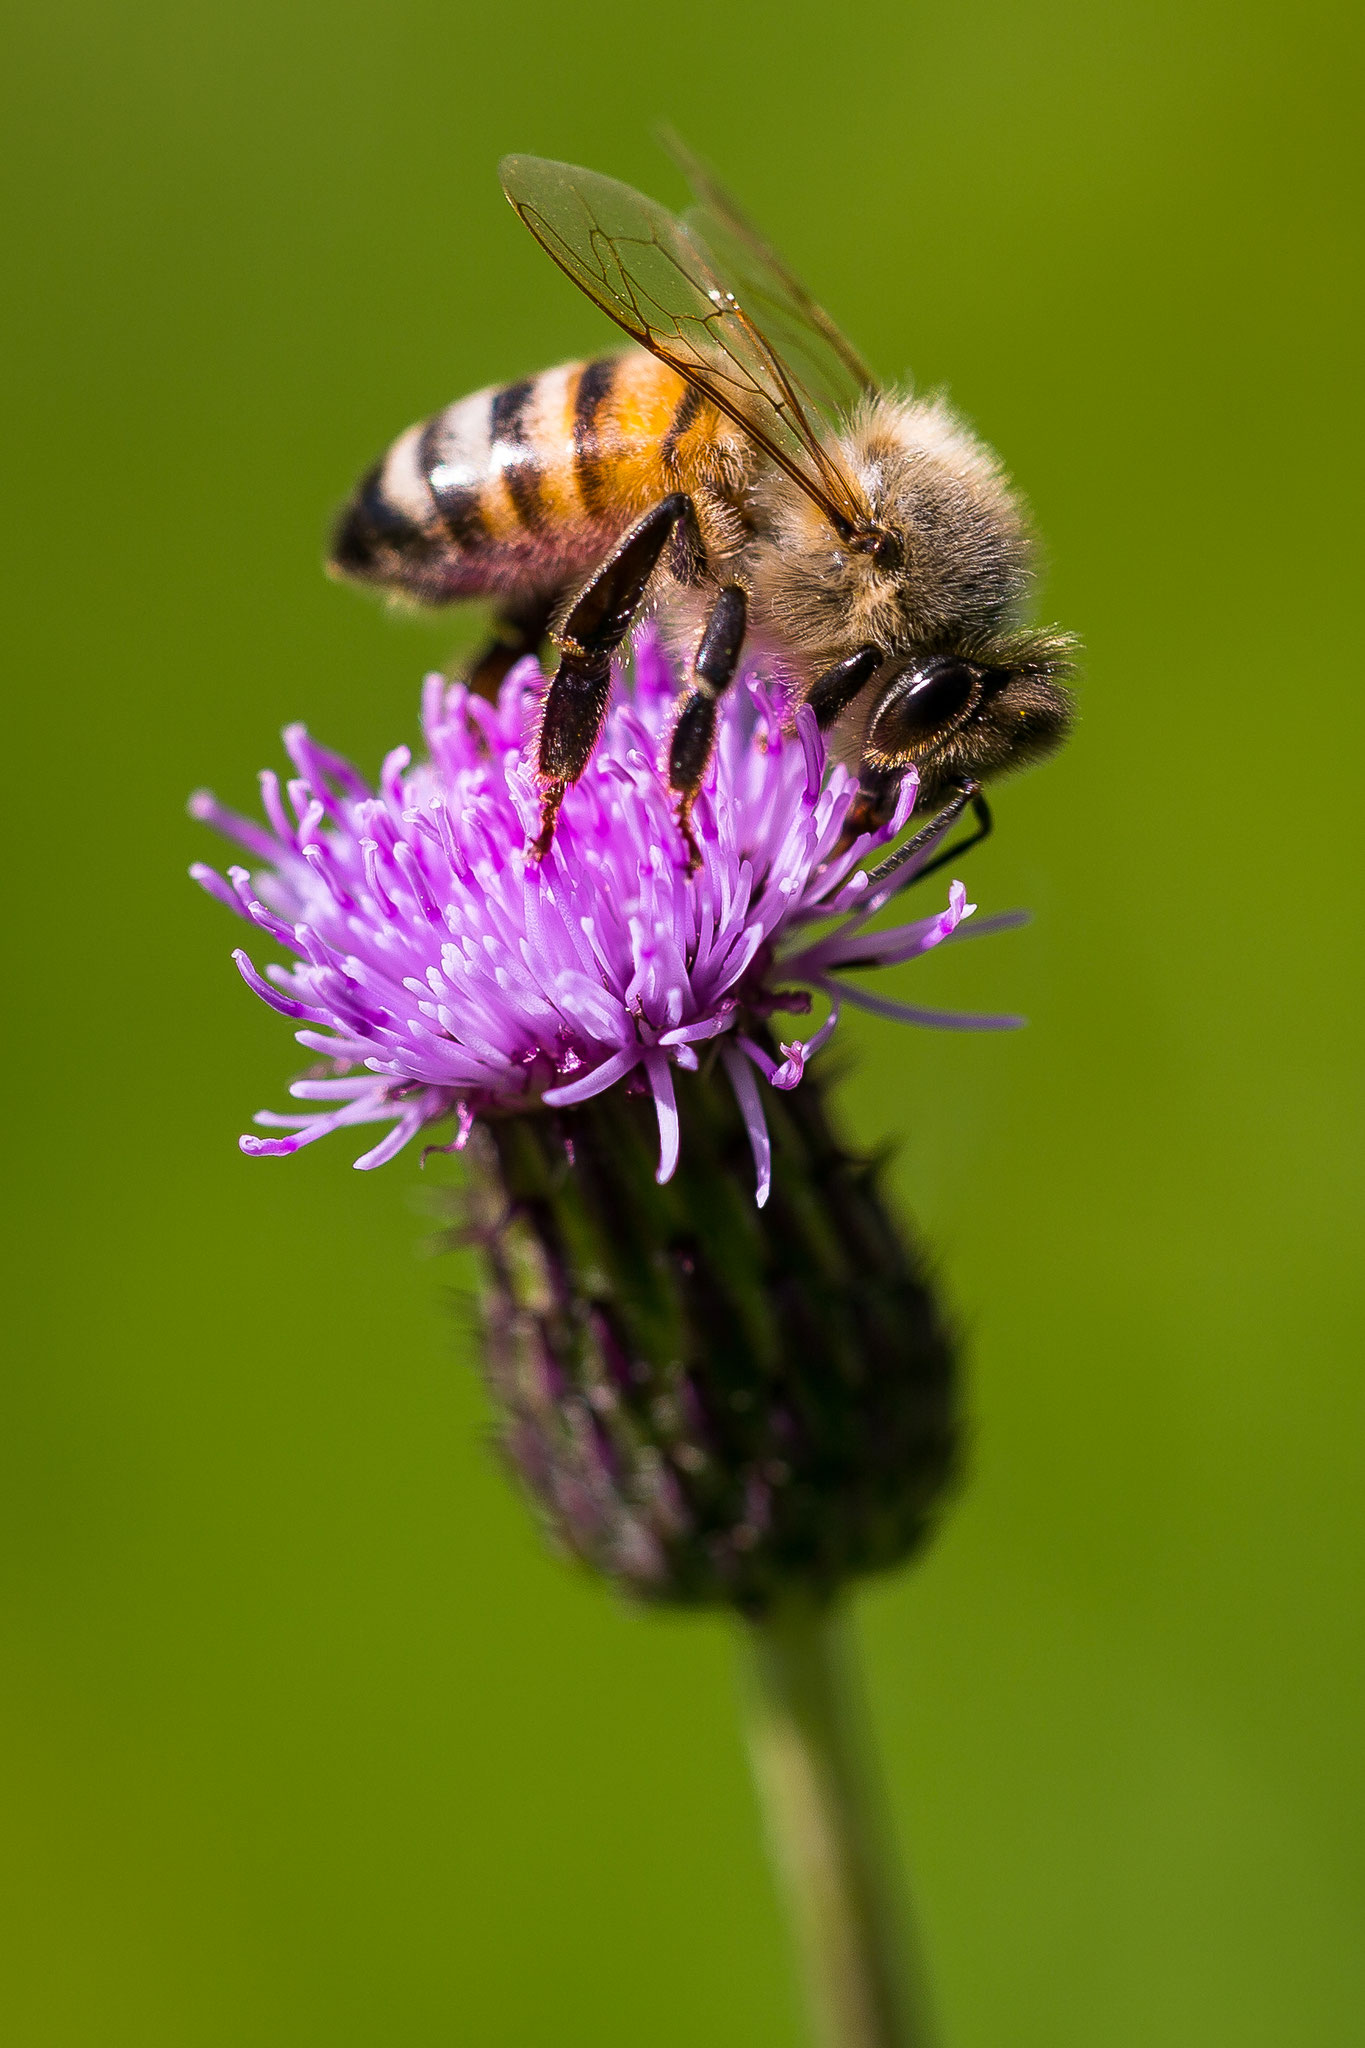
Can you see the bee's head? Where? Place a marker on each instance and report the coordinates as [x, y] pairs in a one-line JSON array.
[[958, 716]]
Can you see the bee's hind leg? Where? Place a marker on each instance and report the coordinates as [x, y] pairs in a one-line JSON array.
[[593, 628], [518, 630], [694, 729]]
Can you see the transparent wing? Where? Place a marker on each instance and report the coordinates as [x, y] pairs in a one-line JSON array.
[[824, 360], [654, 277]]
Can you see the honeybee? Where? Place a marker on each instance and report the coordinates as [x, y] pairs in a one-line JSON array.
[[750, 484]]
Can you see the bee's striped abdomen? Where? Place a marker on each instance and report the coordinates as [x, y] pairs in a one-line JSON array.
[[524, 486]]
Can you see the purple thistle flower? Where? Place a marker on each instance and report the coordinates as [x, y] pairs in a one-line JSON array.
[[455, 975]]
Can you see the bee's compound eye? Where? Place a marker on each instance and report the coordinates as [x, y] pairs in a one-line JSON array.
[[921, 704]]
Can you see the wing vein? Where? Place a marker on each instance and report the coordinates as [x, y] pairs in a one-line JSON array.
[[652, 275]]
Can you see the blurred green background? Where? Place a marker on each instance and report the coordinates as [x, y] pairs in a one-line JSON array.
[[304, 1737]]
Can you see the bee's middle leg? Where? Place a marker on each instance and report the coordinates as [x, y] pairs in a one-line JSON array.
[[593, 628], [694, 731]]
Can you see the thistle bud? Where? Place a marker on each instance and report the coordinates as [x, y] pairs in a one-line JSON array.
[[712, 1403]]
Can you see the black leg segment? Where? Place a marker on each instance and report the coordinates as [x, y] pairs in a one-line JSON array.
[[516, 633], [835, 690], [694, 732], [601, 614], [873, 805], [597, 622]]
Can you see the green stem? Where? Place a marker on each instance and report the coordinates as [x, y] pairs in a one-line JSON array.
[[828, 1830]]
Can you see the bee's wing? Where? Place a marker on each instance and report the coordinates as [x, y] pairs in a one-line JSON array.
[[655, 278], [829, 367]]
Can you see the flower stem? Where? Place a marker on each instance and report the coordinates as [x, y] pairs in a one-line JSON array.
[[828, 1830]]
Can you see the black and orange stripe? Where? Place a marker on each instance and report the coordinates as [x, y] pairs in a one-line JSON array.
[[592, 400], [526, 485]]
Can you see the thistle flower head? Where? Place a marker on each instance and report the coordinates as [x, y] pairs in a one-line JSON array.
[[438, 969]]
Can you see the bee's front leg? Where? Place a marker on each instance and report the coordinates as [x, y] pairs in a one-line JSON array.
[[829, 696], [835, 690], [694, 730], [594, 627]]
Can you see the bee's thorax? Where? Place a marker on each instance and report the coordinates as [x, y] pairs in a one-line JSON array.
[[945, 563]]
